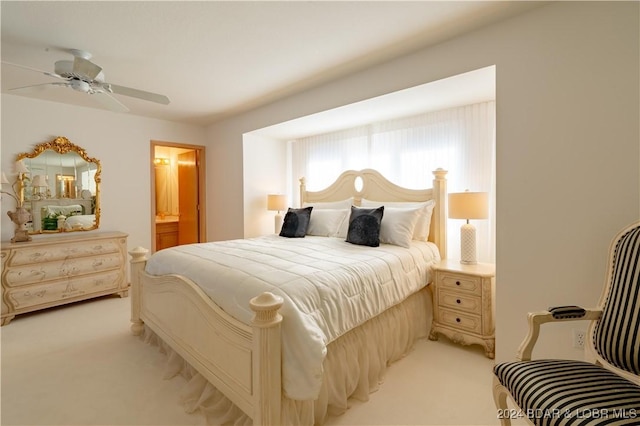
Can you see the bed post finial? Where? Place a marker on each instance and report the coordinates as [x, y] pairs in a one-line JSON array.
[[266, 308], [138, 262], [303, 190], [439, 224]]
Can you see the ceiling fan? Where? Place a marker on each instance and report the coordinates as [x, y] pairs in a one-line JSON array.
[[84, 76]]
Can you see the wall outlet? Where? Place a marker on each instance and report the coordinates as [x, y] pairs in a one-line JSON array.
[[578, 338]]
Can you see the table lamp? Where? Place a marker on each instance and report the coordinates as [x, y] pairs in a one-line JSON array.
[[468, 205], [22, 172], [37, 183], [277, 202], [21, 216]]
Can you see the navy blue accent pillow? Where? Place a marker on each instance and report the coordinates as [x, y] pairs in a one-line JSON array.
[[296, 222], [364, 226]]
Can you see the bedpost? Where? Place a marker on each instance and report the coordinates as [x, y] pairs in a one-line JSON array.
[[439, 224], [267, 359], [138, 262], [303, 190]]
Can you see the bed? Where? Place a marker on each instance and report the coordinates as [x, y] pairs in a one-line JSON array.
[[80, 221], [301, 368], [51, 213]]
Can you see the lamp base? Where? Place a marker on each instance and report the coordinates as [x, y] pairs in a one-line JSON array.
[[278, 223], [468, 244]]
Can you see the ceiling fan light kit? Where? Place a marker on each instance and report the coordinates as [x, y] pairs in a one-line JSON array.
[[84, 76], [80, 86]]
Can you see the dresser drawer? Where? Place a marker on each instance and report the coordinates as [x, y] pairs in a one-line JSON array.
[[48, 271], [461, 321], [52, 292], [460, 282], [36, 255], [471, 304]]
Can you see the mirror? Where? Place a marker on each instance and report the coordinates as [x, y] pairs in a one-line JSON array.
[[62, 191]]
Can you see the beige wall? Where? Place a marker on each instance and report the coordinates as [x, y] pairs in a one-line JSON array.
[[264, 164], [567, 148], [121, 142]]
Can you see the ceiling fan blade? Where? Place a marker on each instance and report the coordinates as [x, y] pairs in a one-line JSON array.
[[109, 102], [135, 93], [50, 74], [37, 88], [84, 67]]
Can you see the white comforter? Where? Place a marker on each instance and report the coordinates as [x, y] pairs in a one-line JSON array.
[[329, 287]]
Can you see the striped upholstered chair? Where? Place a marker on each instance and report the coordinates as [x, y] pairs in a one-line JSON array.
[[553, 392]]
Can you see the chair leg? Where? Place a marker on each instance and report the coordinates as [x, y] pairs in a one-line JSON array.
[[500, 398]]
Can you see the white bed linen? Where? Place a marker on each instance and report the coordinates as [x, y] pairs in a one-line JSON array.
[[83, 221], [329, 287]]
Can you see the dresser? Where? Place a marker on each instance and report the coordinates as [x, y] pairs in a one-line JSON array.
[[57, 270], [464, 307]]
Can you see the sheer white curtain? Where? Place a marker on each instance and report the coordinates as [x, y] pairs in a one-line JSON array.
[[407, 151]]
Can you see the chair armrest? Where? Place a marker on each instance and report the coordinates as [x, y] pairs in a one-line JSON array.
[[561, 314]]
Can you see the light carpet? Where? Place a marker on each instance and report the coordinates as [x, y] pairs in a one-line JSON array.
[[79, 365]]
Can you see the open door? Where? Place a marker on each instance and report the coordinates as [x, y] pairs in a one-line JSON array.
[[178, 194], [188, 199]]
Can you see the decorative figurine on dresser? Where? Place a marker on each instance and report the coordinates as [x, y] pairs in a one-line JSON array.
[[57, 191]]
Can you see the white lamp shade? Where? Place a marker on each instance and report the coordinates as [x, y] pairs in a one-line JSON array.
[[39, 180], [276, 202], [20, 167], [469, 205], [4, 179]]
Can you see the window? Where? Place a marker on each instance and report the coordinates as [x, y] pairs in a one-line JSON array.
[[88, 180], [407, 151]]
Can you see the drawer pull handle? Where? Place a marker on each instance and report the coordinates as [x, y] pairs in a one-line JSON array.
[[458, 301], [457, 319], [457, 282]]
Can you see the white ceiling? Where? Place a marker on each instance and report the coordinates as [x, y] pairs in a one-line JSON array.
[[216, 58]]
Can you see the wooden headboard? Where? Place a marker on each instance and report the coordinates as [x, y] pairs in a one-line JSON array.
[[371, 185]]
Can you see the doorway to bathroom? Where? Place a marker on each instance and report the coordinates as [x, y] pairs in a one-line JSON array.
[[177, 194]]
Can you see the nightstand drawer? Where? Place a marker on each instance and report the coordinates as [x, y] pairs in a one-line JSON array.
[[461, 321], [461, 282], [466, 303]]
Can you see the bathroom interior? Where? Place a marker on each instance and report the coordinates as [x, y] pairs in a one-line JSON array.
[[168, 161]]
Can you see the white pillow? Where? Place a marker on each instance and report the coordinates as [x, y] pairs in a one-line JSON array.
[[421, 231], [326, 222], [343, 230], [398, 225], [340, 205]]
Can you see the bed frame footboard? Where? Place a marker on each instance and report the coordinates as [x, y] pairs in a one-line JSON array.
[[242, 361]]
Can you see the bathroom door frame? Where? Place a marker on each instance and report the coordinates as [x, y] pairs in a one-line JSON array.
[[202, 204]]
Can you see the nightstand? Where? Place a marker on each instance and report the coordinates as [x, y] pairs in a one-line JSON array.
[[463, 304]]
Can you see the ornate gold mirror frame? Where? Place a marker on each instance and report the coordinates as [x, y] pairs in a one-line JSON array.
[[61, 187]]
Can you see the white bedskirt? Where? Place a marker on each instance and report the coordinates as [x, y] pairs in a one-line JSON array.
[[354, 367]]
